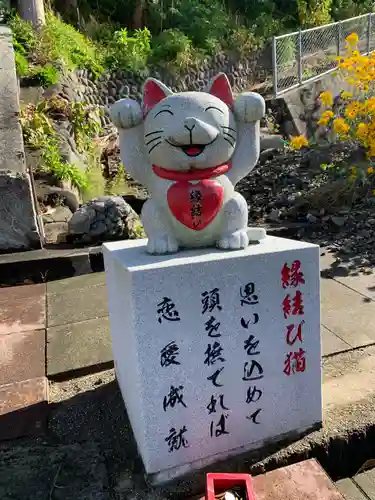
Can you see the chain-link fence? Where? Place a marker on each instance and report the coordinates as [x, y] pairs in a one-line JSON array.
[[306, 55]]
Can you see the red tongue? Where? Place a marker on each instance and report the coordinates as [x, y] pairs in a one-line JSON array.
[[193, 151]]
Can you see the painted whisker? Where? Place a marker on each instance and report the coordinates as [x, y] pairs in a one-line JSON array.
[[154, 146], [229, 135], [152, 140], [229, 128], [230, 142], [154, 132]]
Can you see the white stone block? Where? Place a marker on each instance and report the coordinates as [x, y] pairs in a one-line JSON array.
[[257, 398]]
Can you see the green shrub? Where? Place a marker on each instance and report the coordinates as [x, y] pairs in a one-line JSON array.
[[242, 41], [52, 163], [22, 65], [345, 9], [287, 50], [99, 32], [173, 47], [314, 12], [129, 52], [57, 47], [169, 44], [24, 36], [86, 125], [61, 42], [205, 22], [45, 75], [39, 134]]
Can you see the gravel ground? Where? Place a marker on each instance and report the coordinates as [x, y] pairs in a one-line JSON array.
[[291, 190]]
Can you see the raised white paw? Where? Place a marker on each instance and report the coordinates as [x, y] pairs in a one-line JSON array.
[[126, 113], [234, 241], [256, 233], [249, 107], [161, 245]]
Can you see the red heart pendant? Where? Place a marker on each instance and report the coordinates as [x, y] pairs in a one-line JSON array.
[[195, 205]]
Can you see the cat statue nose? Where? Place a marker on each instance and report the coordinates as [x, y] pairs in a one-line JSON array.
[[202, 132]]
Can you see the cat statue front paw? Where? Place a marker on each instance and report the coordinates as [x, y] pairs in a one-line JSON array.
[[249, 107], [126, 113], [161, 245], [234, 241], [240, 239]]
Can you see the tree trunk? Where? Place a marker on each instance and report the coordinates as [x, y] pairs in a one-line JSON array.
[[138, 14], [33, 11]]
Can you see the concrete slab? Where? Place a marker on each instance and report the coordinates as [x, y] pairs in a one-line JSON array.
[[361, 283], [347, 313], [350, 490], [23, 408], [331, 343], [75, 305], [78, 345], [43, 472], [22, 308], [75, 283], [366, 482], [22, 356], [303, 481]]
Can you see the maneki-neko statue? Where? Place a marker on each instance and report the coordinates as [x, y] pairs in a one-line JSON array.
[[189, 150]]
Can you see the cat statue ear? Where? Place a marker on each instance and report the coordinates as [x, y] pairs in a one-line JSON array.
[[220, 87], [153, 92]]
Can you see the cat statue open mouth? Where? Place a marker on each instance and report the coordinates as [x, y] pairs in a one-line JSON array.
[[190, 149]]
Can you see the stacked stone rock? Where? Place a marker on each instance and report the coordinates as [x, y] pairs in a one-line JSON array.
[[242, 74], [103, 219]]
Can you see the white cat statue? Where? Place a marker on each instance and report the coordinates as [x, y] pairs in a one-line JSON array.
[[190, 149]]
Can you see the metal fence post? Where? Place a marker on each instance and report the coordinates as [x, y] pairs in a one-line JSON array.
[[299, 61], [369, 27], [339, 38], [274, 66]]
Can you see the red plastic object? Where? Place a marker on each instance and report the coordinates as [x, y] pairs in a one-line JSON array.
[[216, 483]]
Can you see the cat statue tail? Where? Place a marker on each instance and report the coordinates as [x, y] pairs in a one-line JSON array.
[[256, 233]]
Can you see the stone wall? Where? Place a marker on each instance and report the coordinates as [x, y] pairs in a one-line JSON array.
[[244, 74], [304, 107], [18, 220]]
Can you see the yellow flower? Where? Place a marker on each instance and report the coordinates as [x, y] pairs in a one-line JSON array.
[[373, 192], [326, 98], [352, 39], [362, 131], [323, 122], [353, 109], [370, 105], [370, 170], [326, 117], [299, 142], [346, 95], [340, 126]]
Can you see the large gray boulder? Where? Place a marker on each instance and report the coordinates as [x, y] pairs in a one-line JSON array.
[[104, 219]]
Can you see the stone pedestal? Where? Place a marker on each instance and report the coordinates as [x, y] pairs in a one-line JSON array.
[[216, 352]]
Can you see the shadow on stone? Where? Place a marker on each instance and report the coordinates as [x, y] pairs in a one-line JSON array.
[[99, 416], [90, 445], [28, 421]]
